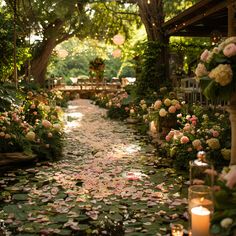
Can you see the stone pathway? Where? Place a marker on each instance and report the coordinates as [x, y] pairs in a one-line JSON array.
[[109, 182]]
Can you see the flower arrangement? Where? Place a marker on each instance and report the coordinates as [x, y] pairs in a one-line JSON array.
[[216, 70], [97, 67], [164, 112]]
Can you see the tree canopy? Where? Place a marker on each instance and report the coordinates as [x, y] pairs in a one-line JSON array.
[[49, 22]]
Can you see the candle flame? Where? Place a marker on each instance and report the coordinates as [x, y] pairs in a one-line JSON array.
[[201, 199]]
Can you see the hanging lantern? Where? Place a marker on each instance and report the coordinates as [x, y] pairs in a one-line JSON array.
[[118, 39], [116, 53]]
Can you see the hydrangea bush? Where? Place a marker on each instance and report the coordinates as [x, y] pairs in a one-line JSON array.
[[32, 127], [199, 133]]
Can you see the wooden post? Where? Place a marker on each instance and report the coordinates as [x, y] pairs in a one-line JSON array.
[[14, 43], [231, 17]]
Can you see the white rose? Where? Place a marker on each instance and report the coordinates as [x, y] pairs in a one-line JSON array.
[[226, 222]]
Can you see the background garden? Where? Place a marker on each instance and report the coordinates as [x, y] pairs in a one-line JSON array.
[[46, 45]]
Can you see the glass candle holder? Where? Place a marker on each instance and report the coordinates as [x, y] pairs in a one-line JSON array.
[[201, 207], [200, 173], [177, 230]]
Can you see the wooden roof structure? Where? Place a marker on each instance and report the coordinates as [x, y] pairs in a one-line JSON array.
[[203, 18]]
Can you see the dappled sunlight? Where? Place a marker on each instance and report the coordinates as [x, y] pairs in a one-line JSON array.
[[126, 149], [73, 120]]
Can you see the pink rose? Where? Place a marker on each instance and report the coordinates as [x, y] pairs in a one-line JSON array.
[[171, 133], [230, 50], [32, 106], [184, 139], [187, 127], [172, 109], [177, 106], [179, 115], [46, 123], [168, 138], [157, 104], [215, 133], [205, 55]]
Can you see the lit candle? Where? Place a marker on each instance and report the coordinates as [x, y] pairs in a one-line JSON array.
[[177, 230], [201, 202], [200, 219]]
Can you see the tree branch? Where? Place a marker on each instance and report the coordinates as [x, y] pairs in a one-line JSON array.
[[119, 12]]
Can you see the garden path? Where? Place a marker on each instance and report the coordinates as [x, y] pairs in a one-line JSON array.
[[109, 182]]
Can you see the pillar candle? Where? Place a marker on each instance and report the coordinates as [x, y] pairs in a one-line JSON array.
[[200, 219], [201, 202]]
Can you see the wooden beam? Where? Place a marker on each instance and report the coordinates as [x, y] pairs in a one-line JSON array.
[[196, 18], [195, 8], [231, 4]]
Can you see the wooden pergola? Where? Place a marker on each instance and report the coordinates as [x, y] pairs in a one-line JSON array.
[[203, 18]]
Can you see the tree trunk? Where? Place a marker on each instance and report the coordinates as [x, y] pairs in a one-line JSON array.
[[39, 64], [52, 36], [152, 16]]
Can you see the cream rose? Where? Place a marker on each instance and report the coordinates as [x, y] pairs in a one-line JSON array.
[[163, 112]]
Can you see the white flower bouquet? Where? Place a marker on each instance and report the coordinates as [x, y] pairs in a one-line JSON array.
[[216, 70]]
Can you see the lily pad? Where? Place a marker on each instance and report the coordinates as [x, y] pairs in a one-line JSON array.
[[20, 197]]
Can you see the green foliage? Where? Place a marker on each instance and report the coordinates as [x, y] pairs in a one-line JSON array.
[[117, 113], [96, 68], [225, 207], [152, 77], [7, 47], [9, 96]]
